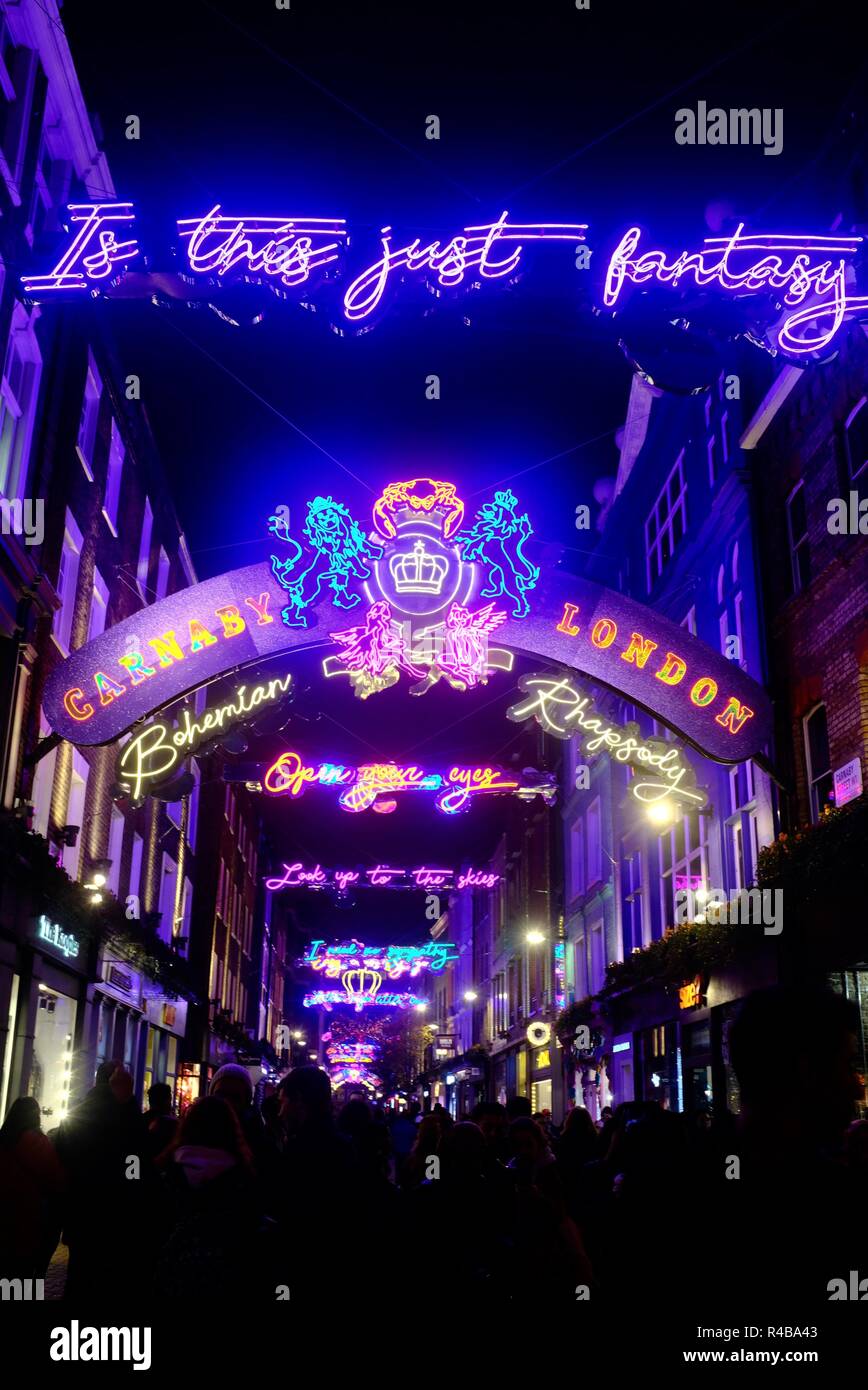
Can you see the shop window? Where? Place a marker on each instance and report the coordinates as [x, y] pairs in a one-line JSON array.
[[67, 583], [856, 439], [89, 421], [666, 523], [820, 780], [51, 1071], [797, 532], [114, 474], [19, 391], [143, 565]]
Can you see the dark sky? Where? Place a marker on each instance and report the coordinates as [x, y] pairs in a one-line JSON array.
[[548, 111]]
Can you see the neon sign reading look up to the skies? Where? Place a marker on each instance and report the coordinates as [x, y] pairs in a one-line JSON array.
[[808, 279]]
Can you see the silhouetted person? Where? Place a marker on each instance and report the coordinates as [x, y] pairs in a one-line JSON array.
[[31, 1181], [218, 1238], [796, 1210], [546, 1235], [492, 1120], [578, 1146], [160, 1118], [518, 1108], [102, 1145]]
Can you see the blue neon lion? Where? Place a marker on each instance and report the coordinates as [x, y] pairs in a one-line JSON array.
[[340, 547], [496, 539]]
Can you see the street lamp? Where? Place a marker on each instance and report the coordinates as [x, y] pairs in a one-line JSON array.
[[661, 812], [535, 938], [470, 996]]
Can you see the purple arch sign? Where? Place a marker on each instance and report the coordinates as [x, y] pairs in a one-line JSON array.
[[180, 643]]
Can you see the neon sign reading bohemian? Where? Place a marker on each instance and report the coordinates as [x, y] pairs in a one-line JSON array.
[[809, 279]]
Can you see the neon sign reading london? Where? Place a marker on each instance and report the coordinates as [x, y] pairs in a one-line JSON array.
[[813, 275]]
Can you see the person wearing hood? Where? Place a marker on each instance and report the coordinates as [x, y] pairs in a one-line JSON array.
[[232, 1083], [218, 1236]]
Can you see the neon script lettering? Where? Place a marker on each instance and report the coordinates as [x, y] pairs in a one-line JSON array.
[[812, 272], [423, 878]]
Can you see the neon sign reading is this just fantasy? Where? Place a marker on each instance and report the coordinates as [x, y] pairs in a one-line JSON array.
[[563, 709], [376, 784], [808, 279], [424, 877]]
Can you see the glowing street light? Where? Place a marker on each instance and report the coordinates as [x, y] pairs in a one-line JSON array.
[[661, 812], [470, 996], [535, 938]]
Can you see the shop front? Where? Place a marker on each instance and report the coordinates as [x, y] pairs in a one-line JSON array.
[[43, 1001], [166, 1022]]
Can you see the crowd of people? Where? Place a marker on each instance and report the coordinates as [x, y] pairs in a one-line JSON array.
[[297, 1194]]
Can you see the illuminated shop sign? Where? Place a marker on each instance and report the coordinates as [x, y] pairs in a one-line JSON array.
[[563, 709], [425, 877], [153, 754], [391, 961], [690, 994], [807, 280], [62, 941], [375, 785], [429, 589]]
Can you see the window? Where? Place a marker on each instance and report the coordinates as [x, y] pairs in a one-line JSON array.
[[89, 417], [598, 957], [43, 786], [135, 884], [856, 439], [581, 953], [114, 473], [19, 390], [820, 780], [143, 568], [683, 857], [741, 825], [666, 524], [98, 606], [797, 529], [168, 879], [631, 899], [689, 621], [595, 861], [193, 817], [75, 811], [115, 849], [163, 566], [67, 583]]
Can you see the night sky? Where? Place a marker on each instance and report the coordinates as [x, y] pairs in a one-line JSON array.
[[547, 111]]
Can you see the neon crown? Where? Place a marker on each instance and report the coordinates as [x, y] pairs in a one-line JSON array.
[[419, 572]]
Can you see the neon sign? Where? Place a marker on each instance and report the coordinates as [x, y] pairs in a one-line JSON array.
[[153, 754], [425, 878], [363, 786], [340, 548], [496, 540], [159, 654], [563, 709], [327, 998], [813, 272], [392, 961], [812, 276], [61, 940], [560, 975]]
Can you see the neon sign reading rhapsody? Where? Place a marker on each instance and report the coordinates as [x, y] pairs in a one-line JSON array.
[[381, 876], [812, 275], [562, 709]]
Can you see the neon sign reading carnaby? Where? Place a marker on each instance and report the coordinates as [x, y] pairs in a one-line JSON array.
[[812, 275]]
